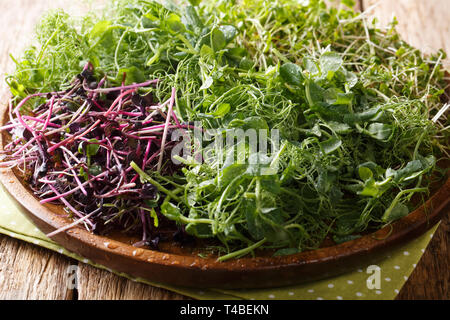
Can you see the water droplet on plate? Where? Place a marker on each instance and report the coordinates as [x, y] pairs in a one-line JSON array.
[[110, 245], [138, 252]]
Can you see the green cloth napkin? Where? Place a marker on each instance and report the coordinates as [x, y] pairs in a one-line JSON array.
[[395, 268]]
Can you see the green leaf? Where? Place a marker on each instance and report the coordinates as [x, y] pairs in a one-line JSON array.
[[83, 174], [324, 181], [229, 32], [315, 130], [399, 211], [349, 3], [370, 189], [351, 79], [153, 203], [264, 223], [174, 24], [253, 224], [365, 173], [222, 110], [310, 66], [380, 131], [255, 122], [170, 211], [291, 74], [89, 148], [206, 52], [270, 183], [334, 97], [410, 171], [133, 75], [413, 169], [330, 62], [314, 94], [246, 64], [237, 53], [150, 19], [191, 20], [339, 127], [218, 40], [230, 173], [155, 217], [197, 2], [364, 116], [92, 147], [376, 169], [98, 31], [207, 83], [81, 147], [427, 162], [199, 230], [257, 163], [331, 145]]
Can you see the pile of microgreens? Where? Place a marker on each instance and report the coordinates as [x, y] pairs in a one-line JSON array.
[[353, 105]]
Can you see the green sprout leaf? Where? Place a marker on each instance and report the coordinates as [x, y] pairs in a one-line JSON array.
[[331, 145], [291, 74], [380, 131]]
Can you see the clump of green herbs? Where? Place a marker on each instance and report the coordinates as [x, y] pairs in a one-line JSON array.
[[353, 105]]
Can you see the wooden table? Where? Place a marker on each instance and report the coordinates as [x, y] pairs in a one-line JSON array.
[[30, 272]]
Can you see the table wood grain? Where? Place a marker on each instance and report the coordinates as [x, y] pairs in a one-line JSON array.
[[30, 272], [425, 25]]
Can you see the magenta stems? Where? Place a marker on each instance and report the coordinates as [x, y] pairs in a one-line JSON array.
[[169, 113]]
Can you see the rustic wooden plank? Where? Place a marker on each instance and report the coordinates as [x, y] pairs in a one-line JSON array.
[[96, 284], [425, 25], [431, 278], [30, 272], [26, 271]]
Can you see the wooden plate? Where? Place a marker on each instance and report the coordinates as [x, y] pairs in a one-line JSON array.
[[182, 266]]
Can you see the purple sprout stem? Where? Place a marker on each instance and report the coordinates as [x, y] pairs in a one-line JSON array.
[[147, 151], [130, 114], [73, 138], [49, 124], [50, 111], [16, 162], [70, 226], [75, 175], [117, 101], [7, 127], [163, 143], [68, 205], [58, 196], [147, 122], [144, 224], [23, 147], [25, 100]]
